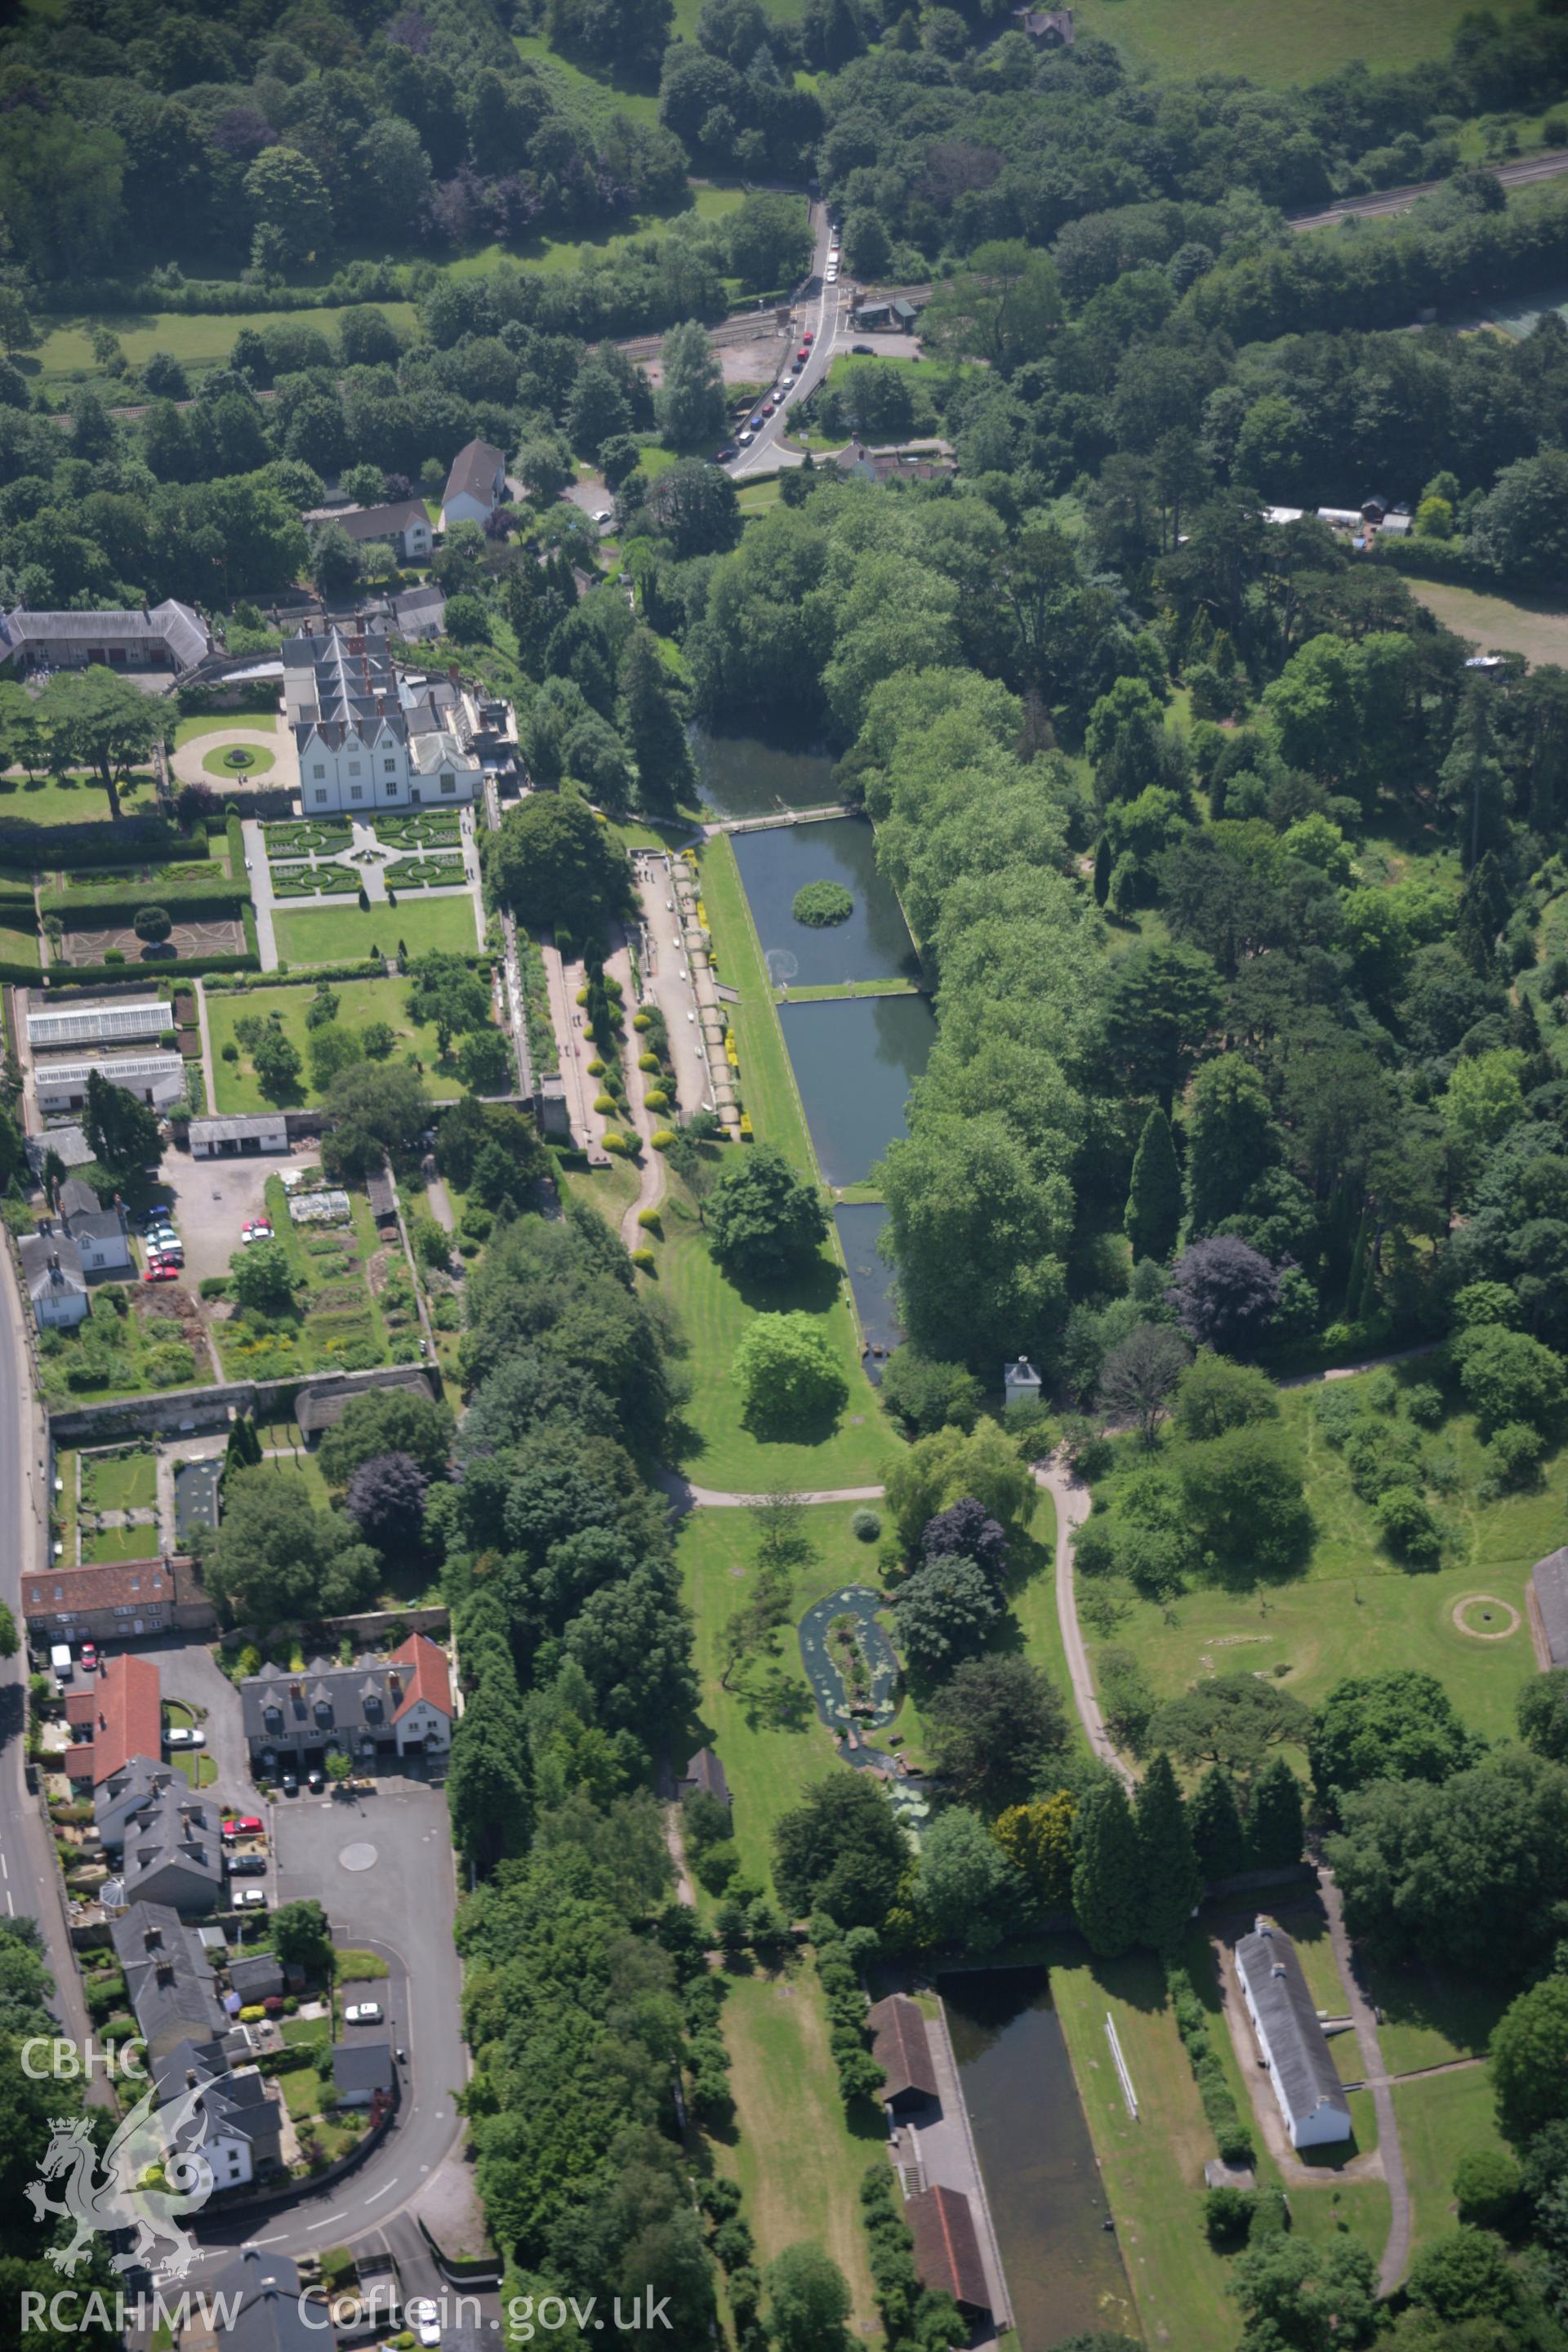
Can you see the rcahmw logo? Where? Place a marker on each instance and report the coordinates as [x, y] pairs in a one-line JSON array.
[[70, 2313], [150, 2177]]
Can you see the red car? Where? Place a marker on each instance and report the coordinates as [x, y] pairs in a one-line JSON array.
[[245, 1825], [161, 1274], [809, 336], [90, 1657]]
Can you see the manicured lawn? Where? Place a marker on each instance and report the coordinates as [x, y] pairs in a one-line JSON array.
[[139, 1543], [70, 800], [256, 762], [348, 934], [795, 2154], [124, 1482], [766, 1726], [768, 1090], [1441, 2119], [1274, 45], [202, 339], [360, 1001], [1354, 1610], [19, 946], [611, 1191], [222, 723]]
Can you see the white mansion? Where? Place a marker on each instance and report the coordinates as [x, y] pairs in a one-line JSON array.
[[371, 736]]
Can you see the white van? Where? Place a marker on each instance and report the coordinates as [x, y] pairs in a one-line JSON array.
[[60, 1661]]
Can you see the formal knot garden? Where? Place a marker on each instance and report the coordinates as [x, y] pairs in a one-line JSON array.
[[315, 857]]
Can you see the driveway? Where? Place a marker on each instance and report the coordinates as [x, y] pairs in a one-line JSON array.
[[214, 1198], [190, 1672]]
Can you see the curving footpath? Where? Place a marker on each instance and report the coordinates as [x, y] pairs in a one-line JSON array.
[[1071, 1496], [1397, 2249]]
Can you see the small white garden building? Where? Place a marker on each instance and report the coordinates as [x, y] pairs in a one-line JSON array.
[[1021, 1383], [1291, 2038]]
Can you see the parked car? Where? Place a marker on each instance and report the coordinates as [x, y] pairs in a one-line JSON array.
[[178, 1736], [165, 1253], [832, 273], [745, 436], [244, 1825], [767, 408], [362, 2013], [250, 1898], [424, 2320], [258, 1230], [315, 1779], [247, 1866], [755, 422], [160, 1236], [863, 351], [90, 1657], [290, 1785], [604, 515], [161, 1273], [809, 336], [722, 456]]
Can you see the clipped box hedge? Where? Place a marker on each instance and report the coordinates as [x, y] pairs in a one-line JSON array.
[[193, 902]]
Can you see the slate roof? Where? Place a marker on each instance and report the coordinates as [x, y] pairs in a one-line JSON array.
[[362, 2066], [236, 2104], [83, 1213], [256, 1976], [363, 523], [420, 611], [902, 2047], [281, 1708], [324, 1403], [169, 1981], [136, 1786], [379, 1191], [1304, 2074], [947, 2249], [474, 471], [705, 1771], [50, 1262], [177, 1831], [268, 2317], [171, 625], [236, 1130], [1548, 1583]]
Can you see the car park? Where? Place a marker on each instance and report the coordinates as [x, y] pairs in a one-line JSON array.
[[247, 1866], [250, 1898], [244, 1825], [362, 2013], [424, 2320], [179, 1736]]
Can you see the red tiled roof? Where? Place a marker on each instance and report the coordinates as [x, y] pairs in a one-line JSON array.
[[947, 2252], [122, 1705], [425, 1676], [78, 1589], [902, 2046]]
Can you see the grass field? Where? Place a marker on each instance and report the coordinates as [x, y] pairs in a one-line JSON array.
[[70, 800], [1440, 2120], [122, 1482], [111, 1544], [1275, 45], [1536, 627], [222, 722], [19, 946], [348, 934], [796, 2155], [360, 1001], [765, 1727], [1354, 1610], [202, 339]]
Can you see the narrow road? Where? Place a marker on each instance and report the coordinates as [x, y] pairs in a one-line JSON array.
[[1548, 165], [764, 454], [1071, 1499], [1396, 2251]]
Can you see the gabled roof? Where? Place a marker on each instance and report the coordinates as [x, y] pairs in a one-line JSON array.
[[169, 1981], [362, 2066], [171, 625], [61, 1590], [902, 2047], [51, 1263], [947, 2250], [1549, 1585], [363, 523], [119, 1712], [269, 2315], [474, 471], [1304, 2073], [425, 1675]]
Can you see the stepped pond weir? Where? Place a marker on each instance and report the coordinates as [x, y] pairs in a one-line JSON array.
[[1064, 2267]]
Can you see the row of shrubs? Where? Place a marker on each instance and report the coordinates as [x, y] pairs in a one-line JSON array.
[[1219, 2106], [838, 1960]]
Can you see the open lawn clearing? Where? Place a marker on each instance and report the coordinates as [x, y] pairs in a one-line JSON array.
[[19, 946], [714, 1313], [350, 934], [360, 1001], [765, 1728], [1152, 2168], [202, 339], [120, 1482], [1274, 45], [1440, 2119], [198, 1769], [1429, 2019], [71, 800], [306, 1466], [1354, 1610], [110, 1544], [795, 2154], [611, 1191], [1536, 627], [222, 722]]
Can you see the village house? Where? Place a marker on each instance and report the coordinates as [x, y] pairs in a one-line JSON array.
[[115, 1601], [1546, 1598], [169, 1846], [265, 2308], [170, 1984], [399, 1704], [476, 485], [370, 736], [102, 1236], [403, 525], [363, 2072], [239, 2122], [1291, 2038], [117, 1714], [55, 1280]]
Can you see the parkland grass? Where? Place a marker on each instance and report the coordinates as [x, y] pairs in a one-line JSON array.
[[360, 1001], [1535, 626], [1441, 2118], [70, 800], [339, 934], [200, 339], [1275, 45], [796, 2156]]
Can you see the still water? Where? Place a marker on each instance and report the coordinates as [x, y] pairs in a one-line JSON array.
[[870, 1278], [855, 1061], [741, 775], [1063, 2268], [873, 944]]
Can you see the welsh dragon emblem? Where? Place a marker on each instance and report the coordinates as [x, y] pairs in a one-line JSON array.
[[145, 2181]]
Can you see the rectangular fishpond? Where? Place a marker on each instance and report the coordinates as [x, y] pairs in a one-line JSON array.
[[872, 943], [859, 1225], [1063, 2268], [855, 1060]]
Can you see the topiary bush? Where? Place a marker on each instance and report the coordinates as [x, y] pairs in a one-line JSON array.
[[866, 1526], [647, 1061], [641, 1021], [617, 1143], [656, 1099], [603, 1105], [643, 1257], [648, 1218], [152, 924], [662, 1137]]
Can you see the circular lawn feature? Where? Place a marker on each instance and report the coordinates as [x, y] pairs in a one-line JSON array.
[[236, 760], [1485, 1618], [821, 904]]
